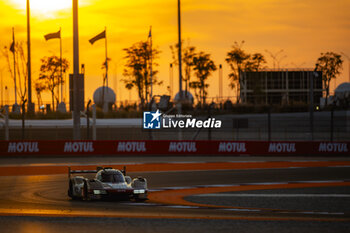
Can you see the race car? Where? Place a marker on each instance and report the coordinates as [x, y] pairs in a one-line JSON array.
[[108, 183]]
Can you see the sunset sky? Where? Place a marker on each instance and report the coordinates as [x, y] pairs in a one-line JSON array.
[[302, 28]]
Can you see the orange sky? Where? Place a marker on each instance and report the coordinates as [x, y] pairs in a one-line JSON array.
[[303, 29]]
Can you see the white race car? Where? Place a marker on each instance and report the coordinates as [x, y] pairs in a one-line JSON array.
[[108, 183]]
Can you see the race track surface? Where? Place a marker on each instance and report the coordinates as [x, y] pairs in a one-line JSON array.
[[187, 194]]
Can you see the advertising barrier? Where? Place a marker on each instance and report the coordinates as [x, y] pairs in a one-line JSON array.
[[148, 147]]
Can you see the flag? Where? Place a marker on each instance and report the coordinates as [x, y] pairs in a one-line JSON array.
[[53, 35], [99, 36], [150, 32], [12, 47]]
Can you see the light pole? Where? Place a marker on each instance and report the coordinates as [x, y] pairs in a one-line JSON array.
[[220, 83], [30, 104], [76, 110], [179, 105], [179, 42]]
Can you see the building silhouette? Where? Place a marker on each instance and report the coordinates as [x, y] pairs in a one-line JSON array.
[[284, 86]]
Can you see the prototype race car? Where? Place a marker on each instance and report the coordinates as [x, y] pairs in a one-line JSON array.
[[108, 183]]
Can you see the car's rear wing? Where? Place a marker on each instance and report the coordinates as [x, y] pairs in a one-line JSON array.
[[70, 171]]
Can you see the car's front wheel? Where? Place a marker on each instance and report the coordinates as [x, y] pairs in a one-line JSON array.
[[70, 190], [86, 196]]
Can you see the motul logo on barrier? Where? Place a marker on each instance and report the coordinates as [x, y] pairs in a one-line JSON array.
[[22, 147], [282, 147], [333, 147], [182, 147], [131, 147], [232, 147], [78, 147]]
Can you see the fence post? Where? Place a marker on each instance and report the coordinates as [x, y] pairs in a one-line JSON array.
[[209, 117], [23, 118], [332, 124], [7, 135], [88, 120], [179, 108], [93, 122], [6, 121], [269, 124], [311, 107]]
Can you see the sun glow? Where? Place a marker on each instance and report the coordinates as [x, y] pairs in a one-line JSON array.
[[44, 7]]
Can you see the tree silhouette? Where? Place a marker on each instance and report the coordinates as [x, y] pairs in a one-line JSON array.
[[188, 53], [240, 61], [330, 64], [203, 66], [50, 75], [138, 58], [39, 88], [20, 69], [255, 62]]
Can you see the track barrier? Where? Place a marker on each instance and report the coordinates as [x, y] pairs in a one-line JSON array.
[[167, 147]]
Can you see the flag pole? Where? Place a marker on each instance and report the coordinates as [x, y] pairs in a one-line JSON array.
[[180, 47], [76, 95], [14, 62], [106, 57], [29, 66], [151, 72], [61, 65]]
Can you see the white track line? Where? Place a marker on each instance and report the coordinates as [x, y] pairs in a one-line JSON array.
[[270, 195]]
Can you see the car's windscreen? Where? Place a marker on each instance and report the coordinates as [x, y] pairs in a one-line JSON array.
[[112, 178]]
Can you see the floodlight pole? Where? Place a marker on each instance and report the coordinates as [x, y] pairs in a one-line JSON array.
[[179, 105], [76, 110], [61, 66], [220, 82], [30, 104], [14, 63], [179, 42], [106, 57], [151, 71]]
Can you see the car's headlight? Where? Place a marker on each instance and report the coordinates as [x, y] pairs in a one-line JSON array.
[[97, 192], [100, 192], [138, 191]]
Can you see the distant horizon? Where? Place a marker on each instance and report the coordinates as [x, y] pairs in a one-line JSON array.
[[303, 30]]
